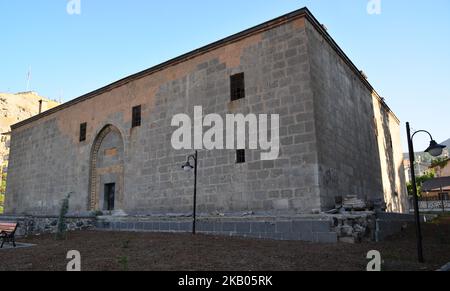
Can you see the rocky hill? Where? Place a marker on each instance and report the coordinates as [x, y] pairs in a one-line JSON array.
[[447, 143], [15, 108]]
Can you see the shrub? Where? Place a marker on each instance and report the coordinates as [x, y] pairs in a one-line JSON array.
[[62, 226], [123, 262]]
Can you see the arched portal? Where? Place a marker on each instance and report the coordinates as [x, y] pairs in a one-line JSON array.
[[106, 180]]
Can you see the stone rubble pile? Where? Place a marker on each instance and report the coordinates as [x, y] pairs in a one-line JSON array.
[[354, 220], [353, 203], [355, 228]]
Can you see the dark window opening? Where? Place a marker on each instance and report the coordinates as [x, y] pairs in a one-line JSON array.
[[83, 129], [240, 156], [136, 116], [237, 86], [110, 190]]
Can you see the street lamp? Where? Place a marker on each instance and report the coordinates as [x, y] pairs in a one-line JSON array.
[[188, 167], [435, 150]]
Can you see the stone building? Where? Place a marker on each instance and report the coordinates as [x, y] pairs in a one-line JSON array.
[[15, 108], [112, 150]]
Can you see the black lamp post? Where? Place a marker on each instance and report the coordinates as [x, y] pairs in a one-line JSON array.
[[188, 167], [435, 150]]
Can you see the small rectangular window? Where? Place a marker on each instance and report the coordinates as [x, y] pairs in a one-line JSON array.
[[237, 83], [136, 116], [83, 129], [240, 156]]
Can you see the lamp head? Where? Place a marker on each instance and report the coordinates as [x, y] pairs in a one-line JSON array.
[[435, 149], [187, 167]]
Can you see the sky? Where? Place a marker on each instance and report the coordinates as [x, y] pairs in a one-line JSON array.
[[403, 47]]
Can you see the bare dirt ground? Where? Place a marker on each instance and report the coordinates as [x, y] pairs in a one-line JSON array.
[[117, 251]]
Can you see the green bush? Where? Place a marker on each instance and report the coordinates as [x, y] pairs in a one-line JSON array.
[[2, 203], [62, 226], [2, 192], [419, 181], [440, 162], [123, 262]]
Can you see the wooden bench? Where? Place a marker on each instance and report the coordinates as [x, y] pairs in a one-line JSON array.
[[7, 233]]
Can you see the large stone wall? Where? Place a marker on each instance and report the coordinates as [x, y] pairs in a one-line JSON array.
[[328, 144], [48, 161], [312, 229], [15, 108], [389, 224], [349, 227], [45, 165], [391, 157], [39, 225], [348, 157]]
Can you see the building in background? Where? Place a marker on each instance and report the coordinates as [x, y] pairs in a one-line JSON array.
[[441, 167], [422, 165], [424, 161]]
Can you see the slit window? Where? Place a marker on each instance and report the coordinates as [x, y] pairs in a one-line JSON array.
[[240, 156], [83, 130], [237, 86], [136, 116]]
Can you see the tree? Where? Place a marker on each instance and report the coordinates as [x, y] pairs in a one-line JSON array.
[[2, 192], [419, 182], [62, 226], [440, 162]]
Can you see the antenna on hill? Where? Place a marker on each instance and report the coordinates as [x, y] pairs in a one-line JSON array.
[[28, 79]]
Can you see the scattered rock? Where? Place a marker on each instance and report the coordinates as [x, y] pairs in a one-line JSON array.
[[347, 240], [217, 213], [119, 213], [315, 211], [250, 213], [445, 268], [354, 203]]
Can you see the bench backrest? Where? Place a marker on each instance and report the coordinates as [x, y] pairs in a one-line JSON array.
[[8, 227]]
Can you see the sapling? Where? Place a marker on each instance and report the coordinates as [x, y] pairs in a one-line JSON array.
[[62, 226]]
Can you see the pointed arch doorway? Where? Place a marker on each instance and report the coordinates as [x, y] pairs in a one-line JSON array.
[[106, 180]]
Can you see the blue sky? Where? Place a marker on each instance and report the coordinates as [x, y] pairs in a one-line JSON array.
[[405, 50]]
